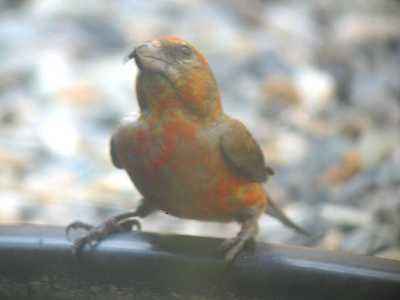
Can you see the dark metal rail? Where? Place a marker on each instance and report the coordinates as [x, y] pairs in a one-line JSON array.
[[36, 263]]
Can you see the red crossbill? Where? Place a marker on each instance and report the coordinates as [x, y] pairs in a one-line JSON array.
[[184, 154]]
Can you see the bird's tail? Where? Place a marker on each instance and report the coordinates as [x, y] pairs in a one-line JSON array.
[[274, 211]]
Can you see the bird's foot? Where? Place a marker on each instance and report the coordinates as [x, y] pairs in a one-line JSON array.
[[97, 233], [233, 246], [246, 236]]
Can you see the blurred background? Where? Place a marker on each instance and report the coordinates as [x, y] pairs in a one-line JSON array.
[[317, 82]]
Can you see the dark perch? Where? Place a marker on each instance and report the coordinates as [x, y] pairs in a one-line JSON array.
[[36, 263]]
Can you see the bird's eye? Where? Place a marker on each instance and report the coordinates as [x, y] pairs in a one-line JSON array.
[[185, 50]]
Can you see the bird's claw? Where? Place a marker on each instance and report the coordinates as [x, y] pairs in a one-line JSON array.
[[233, 246], [77, 225], [97, 233], [129, 224]]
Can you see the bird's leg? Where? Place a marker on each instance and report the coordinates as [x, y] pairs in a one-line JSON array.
[[248, 231], [120, 223]]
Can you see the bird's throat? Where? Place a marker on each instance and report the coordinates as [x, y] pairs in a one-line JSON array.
[[152, 90], [195, 96]]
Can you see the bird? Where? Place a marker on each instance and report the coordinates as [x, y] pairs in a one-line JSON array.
[[185, 156]]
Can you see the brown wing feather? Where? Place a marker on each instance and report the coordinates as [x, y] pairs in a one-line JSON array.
[[113, 153], [243, 154]]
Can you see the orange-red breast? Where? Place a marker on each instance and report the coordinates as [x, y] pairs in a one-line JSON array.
[[184, 154]]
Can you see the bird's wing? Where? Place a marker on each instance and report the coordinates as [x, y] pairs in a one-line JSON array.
[[113, 153], [122, 142], [242, 153]]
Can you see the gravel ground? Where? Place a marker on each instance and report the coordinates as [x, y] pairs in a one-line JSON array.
[[317, 82]]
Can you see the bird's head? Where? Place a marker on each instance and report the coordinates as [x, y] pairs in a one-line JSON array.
[[169, 67]]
